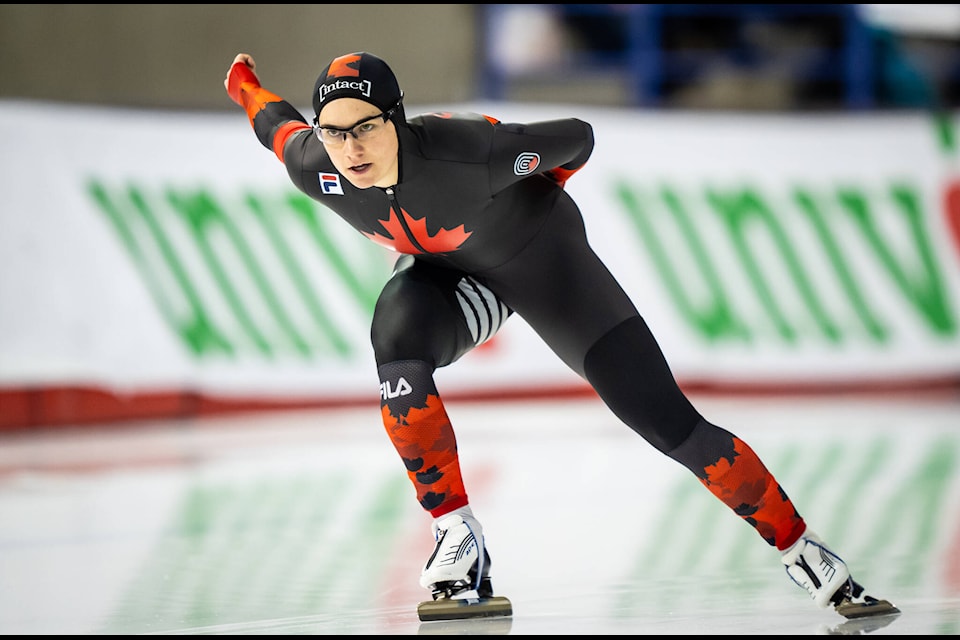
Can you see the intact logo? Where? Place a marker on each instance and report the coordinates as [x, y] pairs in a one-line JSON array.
[[526, 163], [364, 87], [330, 184], [403, 389]]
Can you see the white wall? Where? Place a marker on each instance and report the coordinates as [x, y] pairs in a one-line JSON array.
[[110, 291]]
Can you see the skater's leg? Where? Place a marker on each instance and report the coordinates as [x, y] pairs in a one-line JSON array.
[[604, 339], [420, 430], [427, 318], [628, 370], [731, 471]]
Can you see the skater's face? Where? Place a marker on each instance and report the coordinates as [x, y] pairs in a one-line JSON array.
[[361, 142]]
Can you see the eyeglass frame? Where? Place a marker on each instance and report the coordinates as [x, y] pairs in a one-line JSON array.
[[318, 130]]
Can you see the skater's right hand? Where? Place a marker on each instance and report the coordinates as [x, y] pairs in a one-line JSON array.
[[241, 70]]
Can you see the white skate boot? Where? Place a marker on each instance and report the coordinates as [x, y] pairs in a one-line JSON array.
[[459, 567], [817, 569], [458, 573], [827, 579]]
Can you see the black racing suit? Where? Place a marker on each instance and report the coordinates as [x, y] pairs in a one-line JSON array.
[[480, 205]]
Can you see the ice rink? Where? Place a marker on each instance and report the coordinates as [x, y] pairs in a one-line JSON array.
[[305, 523]]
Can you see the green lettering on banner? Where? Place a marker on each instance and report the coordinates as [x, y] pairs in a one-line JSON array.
[[197, 330], [296, 275], [926, 290], [748, 219], [876, 329], [236, 278], [743, 209], [714, 318], [204, 219], [364, 279]]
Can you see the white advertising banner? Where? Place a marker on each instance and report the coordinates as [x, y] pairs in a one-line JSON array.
[[167, 250]]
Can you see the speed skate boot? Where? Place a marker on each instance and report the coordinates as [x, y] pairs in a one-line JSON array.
[[827, 579], [458, 573], [817, 569], [459, 567]]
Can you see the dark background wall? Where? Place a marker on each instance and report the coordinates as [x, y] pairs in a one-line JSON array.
[[176, 55], [691, 56]]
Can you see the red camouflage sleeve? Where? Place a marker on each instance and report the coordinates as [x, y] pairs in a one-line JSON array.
[[271, 117]]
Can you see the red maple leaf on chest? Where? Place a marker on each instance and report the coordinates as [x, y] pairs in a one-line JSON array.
[[418, 240]]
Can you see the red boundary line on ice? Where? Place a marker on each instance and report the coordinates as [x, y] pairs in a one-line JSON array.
[[29, 407]]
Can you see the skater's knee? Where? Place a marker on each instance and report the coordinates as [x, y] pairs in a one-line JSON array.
[[704, 444], [412, 321], [393, 331], [630, 374]]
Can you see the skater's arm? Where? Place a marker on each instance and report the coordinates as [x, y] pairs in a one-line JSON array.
[[273, 119], [559, 148]]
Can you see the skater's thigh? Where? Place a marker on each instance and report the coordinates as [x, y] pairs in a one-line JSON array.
[[562, 289], [431, 313]]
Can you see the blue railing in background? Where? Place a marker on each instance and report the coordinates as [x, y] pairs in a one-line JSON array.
[[649, 64]]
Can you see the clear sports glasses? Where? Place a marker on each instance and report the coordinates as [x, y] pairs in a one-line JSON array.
[[366, 129]]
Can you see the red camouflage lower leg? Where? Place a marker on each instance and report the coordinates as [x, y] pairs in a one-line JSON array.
[[418, 426]]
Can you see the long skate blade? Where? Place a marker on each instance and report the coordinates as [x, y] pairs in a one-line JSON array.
[[499, 626], [849, 627], [868, 608], [451, 609]]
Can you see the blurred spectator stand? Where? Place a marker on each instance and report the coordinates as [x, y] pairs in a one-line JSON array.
[[723, 56]]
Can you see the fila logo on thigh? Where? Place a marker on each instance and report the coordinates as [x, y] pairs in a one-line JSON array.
[[403, 388]]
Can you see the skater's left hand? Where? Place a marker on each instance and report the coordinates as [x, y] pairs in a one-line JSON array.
[[242, 69]]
